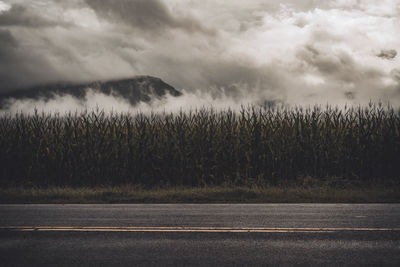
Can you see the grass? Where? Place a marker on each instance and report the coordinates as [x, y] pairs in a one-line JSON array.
[[216, 194]]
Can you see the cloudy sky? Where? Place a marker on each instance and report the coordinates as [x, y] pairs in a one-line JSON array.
[[293, 51]]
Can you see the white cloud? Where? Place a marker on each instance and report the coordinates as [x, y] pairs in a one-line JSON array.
[[4, 6], [313, 79]]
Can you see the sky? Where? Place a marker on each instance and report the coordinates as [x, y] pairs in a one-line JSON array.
[[297, 52]]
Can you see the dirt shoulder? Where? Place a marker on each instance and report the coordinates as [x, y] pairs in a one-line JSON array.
[[236, 194]]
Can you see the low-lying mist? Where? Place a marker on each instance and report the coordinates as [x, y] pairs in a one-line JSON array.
[[94, 100], [63, 104]]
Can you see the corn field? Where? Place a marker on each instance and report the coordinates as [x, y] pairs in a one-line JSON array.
[[200, 147]]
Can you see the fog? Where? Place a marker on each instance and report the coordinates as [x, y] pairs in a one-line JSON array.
[[217, 53], [95, 101]]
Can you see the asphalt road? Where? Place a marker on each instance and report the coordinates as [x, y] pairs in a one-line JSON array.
[[200, 235]]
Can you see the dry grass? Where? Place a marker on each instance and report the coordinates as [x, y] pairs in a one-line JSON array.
[[133, 194]]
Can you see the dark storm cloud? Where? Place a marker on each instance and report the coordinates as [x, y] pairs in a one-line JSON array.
[[7, 40], [8, 46], [20, 68], [338, 65], [147, 15], [395, 73], [332, 64], [19, 15], [21, 64], [387, 54]]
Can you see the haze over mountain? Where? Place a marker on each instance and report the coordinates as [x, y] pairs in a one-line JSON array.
[[133, 90]]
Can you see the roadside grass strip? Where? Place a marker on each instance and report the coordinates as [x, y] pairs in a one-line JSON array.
[[193, 229]]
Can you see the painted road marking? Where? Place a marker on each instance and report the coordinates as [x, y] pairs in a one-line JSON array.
[[191, 229]]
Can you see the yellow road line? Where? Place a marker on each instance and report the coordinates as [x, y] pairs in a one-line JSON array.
[[192, 229]]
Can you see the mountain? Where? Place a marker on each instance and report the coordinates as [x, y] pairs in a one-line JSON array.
[[137, 89]]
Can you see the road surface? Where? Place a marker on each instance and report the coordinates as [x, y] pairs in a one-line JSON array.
[[200, 235]]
